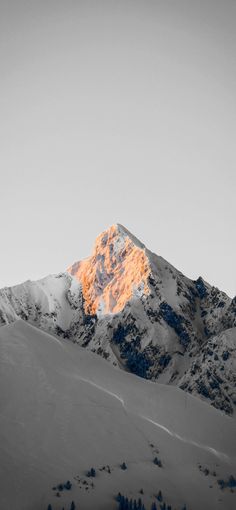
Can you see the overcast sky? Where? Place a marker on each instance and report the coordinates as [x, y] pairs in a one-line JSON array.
[[117, 111]]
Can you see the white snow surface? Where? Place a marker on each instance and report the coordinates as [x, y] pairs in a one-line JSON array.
[[63, 410]]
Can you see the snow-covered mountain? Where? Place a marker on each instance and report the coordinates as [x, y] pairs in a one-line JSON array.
[[140, 313], [64, 410]]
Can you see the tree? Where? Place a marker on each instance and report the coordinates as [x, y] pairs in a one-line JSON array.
[[157, 462], [130, 504], [49, 507], [123, 466], [72, 506], [232, 481], [159, 496], [140, 503], [118, 497], [121, 503], [91, 473], [126, 504], [68, 485]]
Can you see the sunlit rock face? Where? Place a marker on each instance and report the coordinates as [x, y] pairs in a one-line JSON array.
[[117, 271]]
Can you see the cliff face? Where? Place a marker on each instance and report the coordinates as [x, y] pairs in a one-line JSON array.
[[116, 272]]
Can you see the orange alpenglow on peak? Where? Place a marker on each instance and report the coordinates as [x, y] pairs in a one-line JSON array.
[[117, 270]]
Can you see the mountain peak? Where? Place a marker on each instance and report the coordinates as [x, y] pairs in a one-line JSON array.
[[122, 231], [117, 271]]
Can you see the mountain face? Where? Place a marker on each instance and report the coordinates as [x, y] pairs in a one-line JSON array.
[[140, 313], [117, 271]]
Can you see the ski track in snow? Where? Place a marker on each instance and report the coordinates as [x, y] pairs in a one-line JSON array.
[[121, 400], [218, 454]]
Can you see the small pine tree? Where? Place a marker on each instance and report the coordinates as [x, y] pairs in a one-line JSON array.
[[68, 485], [49, 507], [122, 503], [72, 506], [126, 504], [157, 462], [123, 466], [232, 481], [159, 496], [91, 473]]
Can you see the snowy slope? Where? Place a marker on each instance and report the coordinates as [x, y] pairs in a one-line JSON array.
[[140, 313], [64, 410], [43, 302]]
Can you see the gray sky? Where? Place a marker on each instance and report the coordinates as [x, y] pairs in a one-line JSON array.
[[117, 111]]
